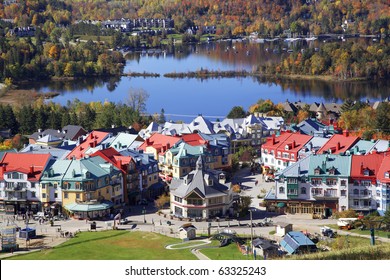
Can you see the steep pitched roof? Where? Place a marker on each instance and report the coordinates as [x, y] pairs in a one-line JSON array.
[[341, 164], [158, 141], [93, 139], [339, 143], [384, 170], [198, 181], [32, 164], [293, 142], [200, 124], [366, 165]]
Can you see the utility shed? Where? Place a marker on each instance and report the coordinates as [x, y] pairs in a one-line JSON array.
[[187, 232], [282, 228], [295, 242]]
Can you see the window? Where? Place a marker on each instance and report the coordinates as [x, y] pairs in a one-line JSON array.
[[77, 196], [43, 195], [55, 195], [317, 171], [33, 194], [43, 186], [355, 202], [178, 199], [387, 175], [356, 192], [292, 181], [9, 176], [343, 193], [303, 190], [281, 190], [292, 156], [66, 195], [107, 190], [343, 183], [316, 181], [292, 191], [331, 182], [286, 155]]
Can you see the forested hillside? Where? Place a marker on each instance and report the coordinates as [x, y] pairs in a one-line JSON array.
[[268, 17]]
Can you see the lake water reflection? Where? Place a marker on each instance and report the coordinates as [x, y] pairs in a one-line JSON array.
[[211, 97]]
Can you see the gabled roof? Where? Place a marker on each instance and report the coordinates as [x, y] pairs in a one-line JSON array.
[[310, 126], [113, 156], [69, 132], [93, 139], [197, 182], [384, 170], [369, 163], [291, 142], [125, 140], [38, 149], [293, 240], [49, 139], [158, 141], [339, 143], [341, 163], [200, 124], [55, 170], [31, 164], [96, 166], [193, 139]]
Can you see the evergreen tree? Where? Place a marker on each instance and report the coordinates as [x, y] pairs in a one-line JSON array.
[[161, 119], [65, 119], [236, 112], [10, 119], [26, 120], [347, 105], [382, 122]]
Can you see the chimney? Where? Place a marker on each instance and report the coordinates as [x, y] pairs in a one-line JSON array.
[[361, 168], [338, 146], [346, 133], [294, 144], [32, 169], [168, 146], [273, 139]]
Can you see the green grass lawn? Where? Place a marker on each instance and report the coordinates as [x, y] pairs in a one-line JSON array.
[[113, 245], [229, 252]]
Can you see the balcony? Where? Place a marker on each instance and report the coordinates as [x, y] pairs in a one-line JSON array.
[[325, 196], [360, 196], [16, 197]]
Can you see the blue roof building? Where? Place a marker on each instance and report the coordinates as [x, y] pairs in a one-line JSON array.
[[295, 242]]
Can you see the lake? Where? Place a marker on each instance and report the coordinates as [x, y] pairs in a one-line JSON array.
[[185, 98]]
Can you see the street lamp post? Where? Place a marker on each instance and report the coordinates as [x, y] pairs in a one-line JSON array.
[[144, 212], [250, 214]]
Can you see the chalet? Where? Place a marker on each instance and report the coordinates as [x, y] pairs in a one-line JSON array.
[[201, 194], [19, 181], [280, 152]]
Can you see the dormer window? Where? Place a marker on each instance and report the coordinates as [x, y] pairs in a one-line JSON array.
[[387, 174], [317, 171], [210, 182], [366, 172], [286, 147]]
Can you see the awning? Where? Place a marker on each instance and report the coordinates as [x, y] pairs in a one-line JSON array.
[[281, 204], [87, 207]]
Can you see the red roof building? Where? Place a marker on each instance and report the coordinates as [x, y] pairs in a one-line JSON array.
[[339, 143], [366, 167], [158, 144], [30, 164], [279, 152], [125, 164], [93, 139]]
